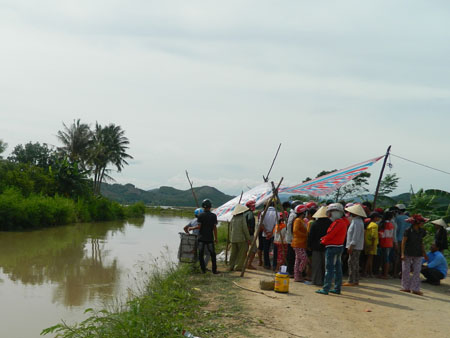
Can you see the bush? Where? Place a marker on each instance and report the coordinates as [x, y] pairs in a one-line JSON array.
[[135, 210]]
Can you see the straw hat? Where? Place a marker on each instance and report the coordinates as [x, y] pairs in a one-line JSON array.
[[356, 209], [401, 206], [321, 213], [440, 222], [239, 209]]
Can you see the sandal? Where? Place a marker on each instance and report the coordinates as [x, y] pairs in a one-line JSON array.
[[419, 293], [404, 290], [322, 292]]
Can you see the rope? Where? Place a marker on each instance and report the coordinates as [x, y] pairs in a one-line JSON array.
[[423, 165]]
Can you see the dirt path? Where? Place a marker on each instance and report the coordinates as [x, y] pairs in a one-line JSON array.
[[374, 309]]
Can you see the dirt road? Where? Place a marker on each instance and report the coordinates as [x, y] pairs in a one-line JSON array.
[[374, 309]]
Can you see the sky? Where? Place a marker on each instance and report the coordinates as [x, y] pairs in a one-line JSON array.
[[214, 87]]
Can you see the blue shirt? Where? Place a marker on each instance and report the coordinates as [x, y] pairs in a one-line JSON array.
[[402, 226], [436, 260]]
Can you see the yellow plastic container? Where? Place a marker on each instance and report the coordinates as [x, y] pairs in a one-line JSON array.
[[282, 282]]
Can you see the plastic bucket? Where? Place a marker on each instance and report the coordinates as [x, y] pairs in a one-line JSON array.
[[282, 282]]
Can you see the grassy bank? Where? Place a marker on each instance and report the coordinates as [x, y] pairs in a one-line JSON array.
[[171, 301], [180, 212], [24, 212]]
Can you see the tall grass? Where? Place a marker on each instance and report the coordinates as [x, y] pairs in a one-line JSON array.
[[19, 212]]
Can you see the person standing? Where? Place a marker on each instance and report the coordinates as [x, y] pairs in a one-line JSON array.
[[318, 229], [207, 225], [251, 224], [269, 222], [371, 242], [440, 237], [334, 244], [279, 240], [436, 269], [355, 242], [412, 253], [386, 239], [239, 238], [299, 242], [193, 224], [402, 226], [289, 236]]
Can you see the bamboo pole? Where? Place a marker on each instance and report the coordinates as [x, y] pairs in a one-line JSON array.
[[266, 178], [379, 179], [192, 189], [258, 230]]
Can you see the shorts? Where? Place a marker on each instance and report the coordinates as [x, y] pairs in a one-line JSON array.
[[386, 255]]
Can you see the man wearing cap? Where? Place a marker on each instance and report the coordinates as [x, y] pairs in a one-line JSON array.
[[436, 269], [355, 242], [239, 238], [440, 238], [334, 243]]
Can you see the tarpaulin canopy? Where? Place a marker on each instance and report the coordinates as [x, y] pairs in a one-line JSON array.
[[320, 186]]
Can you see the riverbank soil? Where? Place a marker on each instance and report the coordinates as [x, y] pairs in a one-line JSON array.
[[374, 309]]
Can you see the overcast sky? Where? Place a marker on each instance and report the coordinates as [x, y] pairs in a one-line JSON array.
[[213, 87]]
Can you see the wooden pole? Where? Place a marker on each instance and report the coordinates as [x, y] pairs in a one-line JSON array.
[[258, 230], [266, 178], [380, 178], [228, 234], [192, 189]]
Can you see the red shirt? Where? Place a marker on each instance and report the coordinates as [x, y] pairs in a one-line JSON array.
[[386, 235], [336, 233]]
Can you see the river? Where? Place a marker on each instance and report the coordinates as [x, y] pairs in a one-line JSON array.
[[56, 273]]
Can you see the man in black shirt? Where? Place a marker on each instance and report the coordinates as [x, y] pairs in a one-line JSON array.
[[207, 225]]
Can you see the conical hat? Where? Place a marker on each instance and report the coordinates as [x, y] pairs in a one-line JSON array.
[[440, 222], [356, 209], [239, 209], [321, 213]]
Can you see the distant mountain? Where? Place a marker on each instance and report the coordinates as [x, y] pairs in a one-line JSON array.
[[166, 196]]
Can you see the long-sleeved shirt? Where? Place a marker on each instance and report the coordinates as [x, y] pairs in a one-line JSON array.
[[318, 229], [355, 234], [290, 225], [336, 233], [270, 220], [300, 234], [239, 229], [436, 260]]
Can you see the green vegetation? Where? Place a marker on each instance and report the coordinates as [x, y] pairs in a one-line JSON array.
[[171, 300], [19, 212], [180, 212], [41, 186]]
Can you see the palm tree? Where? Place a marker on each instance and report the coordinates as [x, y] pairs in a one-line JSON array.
[[77, 139], [109, 146]]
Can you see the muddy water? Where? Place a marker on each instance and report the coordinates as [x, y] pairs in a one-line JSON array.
[[55, 274]]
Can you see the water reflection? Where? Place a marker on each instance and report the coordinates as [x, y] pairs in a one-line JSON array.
[[72, 257]]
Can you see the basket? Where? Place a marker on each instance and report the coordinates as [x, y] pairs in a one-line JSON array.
[[187, 251]]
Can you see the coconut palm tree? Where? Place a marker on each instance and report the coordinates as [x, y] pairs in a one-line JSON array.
[[76, 139], [109, 146]]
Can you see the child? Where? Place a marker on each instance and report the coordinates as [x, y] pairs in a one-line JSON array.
[[279, 239], [371, 242]]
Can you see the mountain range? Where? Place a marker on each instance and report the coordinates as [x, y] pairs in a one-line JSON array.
[[163, 196]]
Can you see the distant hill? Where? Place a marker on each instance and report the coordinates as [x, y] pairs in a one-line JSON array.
[[166, 196]]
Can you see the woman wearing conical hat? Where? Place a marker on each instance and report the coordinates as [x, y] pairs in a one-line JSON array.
[[440, 238]]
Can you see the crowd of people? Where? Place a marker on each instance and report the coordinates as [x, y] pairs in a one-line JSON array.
[[318, 243]]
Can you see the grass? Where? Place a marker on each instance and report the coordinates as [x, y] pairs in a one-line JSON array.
[[180, 212], [171, 300]]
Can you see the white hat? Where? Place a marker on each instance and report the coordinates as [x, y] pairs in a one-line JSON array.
[[401, 206], [440, 222], [321, 213], [335, 206], [356, 209], [239, 209]]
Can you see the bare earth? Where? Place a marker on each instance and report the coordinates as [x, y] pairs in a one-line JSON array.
[[374, 309]]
